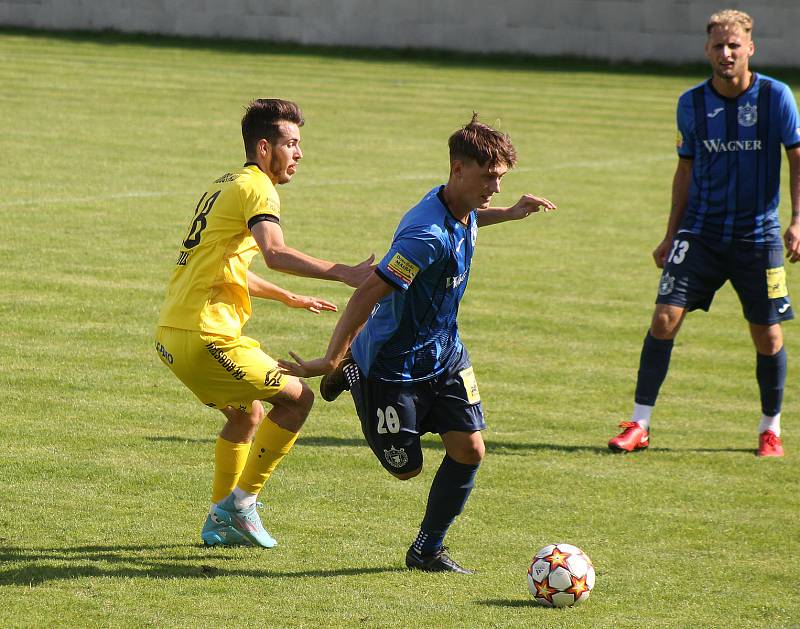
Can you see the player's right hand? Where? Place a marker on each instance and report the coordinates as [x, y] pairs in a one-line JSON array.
[[662, 251], [792, 240]]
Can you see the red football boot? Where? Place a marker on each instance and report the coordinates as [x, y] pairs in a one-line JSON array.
[[634, 437], [769, 444]]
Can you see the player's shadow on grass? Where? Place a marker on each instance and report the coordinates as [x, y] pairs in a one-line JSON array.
[[503, 447], [710, 450], [492, 447], [429, 443], [176, 439], [510, 602], [33, 566]]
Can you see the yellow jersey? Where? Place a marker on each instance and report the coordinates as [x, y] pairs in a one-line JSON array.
[[208, 289]]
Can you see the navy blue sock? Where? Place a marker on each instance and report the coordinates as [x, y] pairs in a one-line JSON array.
[[771, 376], [449, 492], [653, 366]]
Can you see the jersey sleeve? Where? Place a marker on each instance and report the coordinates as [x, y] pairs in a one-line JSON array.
[[684, 143], [259, 203], [413, 250], [790, 121]]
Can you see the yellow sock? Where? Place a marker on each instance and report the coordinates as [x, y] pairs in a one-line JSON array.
[[271, 444], [230, 459]]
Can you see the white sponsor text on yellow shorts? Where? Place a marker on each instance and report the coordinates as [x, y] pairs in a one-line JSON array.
[[219, 370]]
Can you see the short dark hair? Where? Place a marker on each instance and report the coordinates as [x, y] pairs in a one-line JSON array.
[[482, 144], [262, 119]]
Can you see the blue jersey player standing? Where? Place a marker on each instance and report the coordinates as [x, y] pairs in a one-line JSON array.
[[407, 370], [724, 222]]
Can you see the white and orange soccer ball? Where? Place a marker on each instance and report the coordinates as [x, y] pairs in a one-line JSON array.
[[560, 575]]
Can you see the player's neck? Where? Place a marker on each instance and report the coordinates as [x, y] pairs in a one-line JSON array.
[[459, 209], [734, 87], [263, 165]]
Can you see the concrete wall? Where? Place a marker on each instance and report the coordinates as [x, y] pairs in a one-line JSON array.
[[639, 30]]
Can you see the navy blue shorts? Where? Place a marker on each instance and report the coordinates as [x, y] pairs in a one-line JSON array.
[[393, 416], [697, 268]]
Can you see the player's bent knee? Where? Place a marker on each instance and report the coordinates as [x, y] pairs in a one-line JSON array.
[[292, 405], [465, 448], [243, 419], [768, 339], [769, 347], [257, 412], [296, 397], [469, 457], [663, 327], [475, 457], [306, 399], [666, 321]]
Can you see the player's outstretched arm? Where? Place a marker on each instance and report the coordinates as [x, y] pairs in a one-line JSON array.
[[280, 257], [527, 205], [259, 287], [792, 235], [353, 318], [680, 199]]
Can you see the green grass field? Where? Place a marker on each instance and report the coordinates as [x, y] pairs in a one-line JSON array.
[[106, 460]]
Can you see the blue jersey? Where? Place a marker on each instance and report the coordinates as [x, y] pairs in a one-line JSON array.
[[736, 147], [412, 334]]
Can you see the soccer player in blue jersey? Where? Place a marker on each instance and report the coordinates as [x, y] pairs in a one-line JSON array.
[[408, 371], [724, 224]]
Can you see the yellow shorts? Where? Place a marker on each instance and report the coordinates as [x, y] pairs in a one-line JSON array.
[[219, 370]]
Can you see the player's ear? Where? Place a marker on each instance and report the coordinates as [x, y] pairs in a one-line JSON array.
[[456, 168], [264, 148]]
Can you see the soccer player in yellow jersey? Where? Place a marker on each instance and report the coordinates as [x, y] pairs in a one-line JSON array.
[[199, 335]]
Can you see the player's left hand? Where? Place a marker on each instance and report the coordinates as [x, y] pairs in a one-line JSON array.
[[529, 204], [356, 275], [312, 304], [305, 368], [792, 240]]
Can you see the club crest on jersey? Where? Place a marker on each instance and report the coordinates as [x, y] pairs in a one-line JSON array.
[[395, 457], [748, 115], [667, 284]]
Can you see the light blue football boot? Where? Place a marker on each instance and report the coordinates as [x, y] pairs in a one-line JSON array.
[[245, 522], [217, 533]]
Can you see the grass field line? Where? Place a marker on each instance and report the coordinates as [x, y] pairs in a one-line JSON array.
[[596, 164]]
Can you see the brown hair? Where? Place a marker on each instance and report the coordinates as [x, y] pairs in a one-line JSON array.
[[262, 119], [480, 143], [730, 17]]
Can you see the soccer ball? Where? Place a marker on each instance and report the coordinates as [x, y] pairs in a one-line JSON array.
[[560, 575]]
